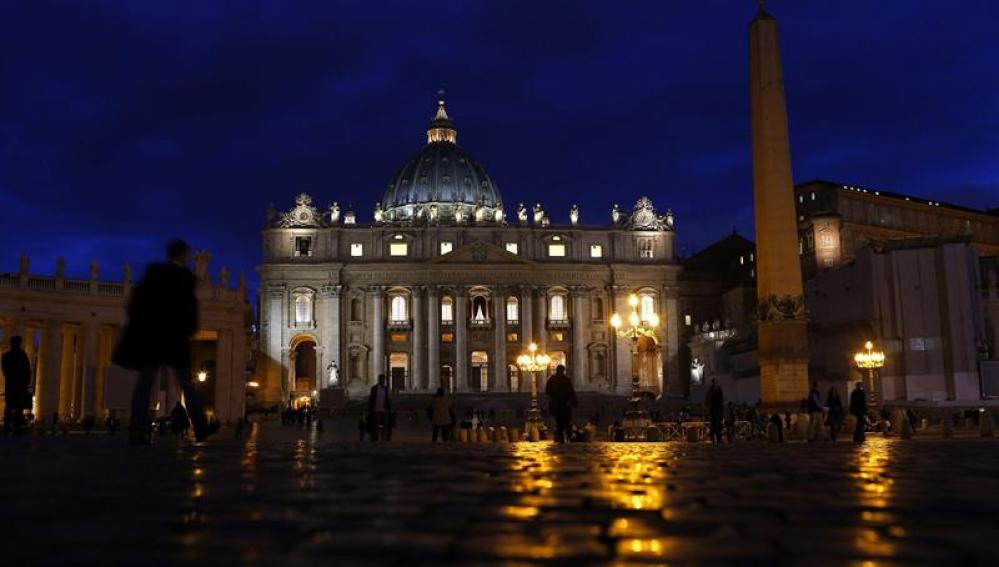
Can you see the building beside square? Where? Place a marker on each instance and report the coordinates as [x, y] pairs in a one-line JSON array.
[[441, 286]]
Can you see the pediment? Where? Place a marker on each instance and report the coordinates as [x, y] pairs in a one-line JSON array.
[[479, 252]]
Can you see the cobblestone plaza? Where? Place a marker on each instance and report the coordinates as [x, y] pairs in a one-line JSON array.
[[281, 494]]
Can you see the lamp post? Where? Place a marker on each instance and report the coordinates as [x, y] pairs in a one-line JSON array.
[[635, 330], [533, 361], [871, 360]]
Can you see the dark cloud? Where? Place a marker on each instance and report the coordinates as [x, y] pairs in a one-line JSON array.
[[125, 123]]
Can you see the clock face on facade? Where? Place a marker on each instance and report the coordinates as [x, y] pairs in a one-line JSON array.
[[303, 216]]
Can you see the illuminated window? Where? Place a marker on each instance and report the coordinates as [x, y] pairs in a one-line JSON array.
[[556, 310], [742, 260], [686, 320], [399, 337], [596, 251], [303, 309], [303, 246], [558, 336], [645, 249], [556, 250], [446, 247], [646, 306], [398, 249], [398, 311], [512, 337], [511, 247], [447, 310], [827, 240], [512, 310], [447, 337], [357, 249]]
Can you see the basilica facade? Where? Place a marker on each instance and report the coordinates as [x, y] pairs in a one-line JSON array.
[[439, 287]]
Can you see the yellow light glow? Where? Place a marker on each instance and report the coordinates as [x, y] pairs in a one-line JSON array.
[[633, 300], [633, 319], [532, 348], [615, 320], [202, 376], [253, 384], [653, 320]]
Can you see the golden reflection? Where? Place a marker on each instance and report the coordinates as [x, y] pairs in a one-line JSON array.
[[534, 468], [642, 547], [248, 462], [875, 486], [633, 476], [520, 512]]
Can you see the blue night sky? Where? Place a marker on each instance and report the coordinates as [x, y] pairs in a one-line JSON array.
[[125, 123]]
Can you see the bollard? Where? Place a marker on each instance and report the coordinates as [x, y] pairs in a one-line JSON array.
[[693, 434], [502, 436], [898, 421], [986, 425], [905, 427], [535, 433], [800, 425], [514, 435], [463, 435], [483, 435]]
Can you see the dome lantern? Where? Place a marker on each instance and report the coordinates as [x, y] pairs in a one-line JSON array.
[[441, 127]]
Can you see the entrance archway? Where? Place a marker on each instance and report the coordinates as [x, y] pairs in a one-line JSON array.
[[398, 370], [650, 367], [480, 371], [302, 379]]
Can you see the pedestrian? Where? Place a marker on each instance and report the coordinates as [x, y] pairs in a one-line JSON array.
[[162, 318], [834, 418], [858, 408], [379, 406], [715, 402], [730, 422], [778, 425], [815, 413], [441, 416], [240, 426], [561, 400], [17, 386], [362, 426], [179, 421]]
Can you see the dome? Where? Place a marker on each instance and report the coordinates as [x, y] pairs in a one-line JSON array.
[[442, 183]]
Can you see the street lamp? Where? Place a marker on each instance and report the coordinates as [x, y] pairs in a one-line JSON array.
[[533, 361], [635, 330], [202, 376], [871, 360]]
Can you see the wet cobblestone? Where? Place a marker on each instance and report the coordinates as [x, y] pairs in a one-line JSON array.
[[283, 496]]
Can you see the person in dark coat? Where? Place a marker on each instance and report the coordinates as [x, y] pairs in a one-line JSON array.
[[858, 408], [835, 417], [715, 402], [561, 400], [379, 408], [179, 421], [162, 318], [17, 375]]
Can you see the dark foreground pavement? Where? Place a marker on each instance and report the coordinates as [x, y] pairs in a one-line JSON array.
[[281, 496]]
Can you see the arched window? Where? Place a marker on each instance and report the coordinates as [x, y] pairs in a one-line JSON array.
[[598, 309], [447, 310], [512, 310], [646, 306], [556, 311], [303, 309], [398, 311]]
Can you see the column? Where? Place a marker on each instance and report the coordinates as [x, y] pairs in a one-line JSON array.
[[540, 316], [579, 320], [460, 340], [500, 381], [88, 370], [622, 346], [275, 357], [328, 324], [526, 320], [377, 294], [47, 390], [671, 323], [418, 374], [67, 372], [434, 337]]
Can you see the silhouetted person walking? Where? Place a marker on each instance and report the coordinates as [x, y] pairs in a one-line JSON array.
[[715, 402], [17, 375], [162, 318], [561, 400], [836, 414], [815, 411], [379, 407], [179, 421], [441, 416], [858, 408]]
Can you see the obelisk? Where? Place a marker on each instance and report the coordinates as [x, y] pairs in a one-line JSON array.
[[781, 326]]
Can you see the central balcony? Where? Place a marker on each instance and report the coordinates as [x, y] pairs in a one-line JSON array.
[[399, 325], [480, 323], [559, 324]]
